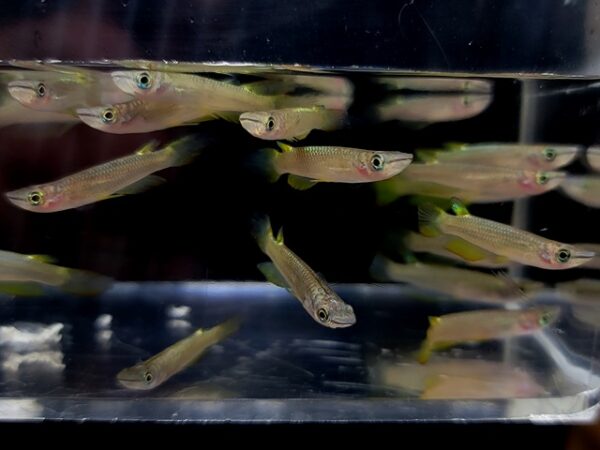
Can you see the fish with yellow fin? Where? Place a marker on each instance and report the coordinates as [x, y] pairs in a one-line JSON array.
[[517, 245], [483, 325], [127, 175], [308, 166]]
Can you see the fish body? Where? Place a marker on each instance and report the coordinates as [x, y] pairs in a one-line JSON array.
[[290, 123], [124, 175], [477, 326], [545, 157], [333, 164], [442, 245], [433, 108], [517, 245], [288, 270], [492, 180], [155, 371], [584, 291], [463, 284], [583, 188], [437, 84]]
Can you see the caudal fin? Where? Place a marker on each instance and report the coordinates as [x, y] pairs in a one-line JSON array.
[[262, 231], [262, 161], [184, 150], [81, 282], [429, 217]]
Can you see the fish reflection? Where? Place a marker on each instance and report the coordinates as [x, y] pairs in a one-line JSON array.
[[477, 326], [424, 109], [436, 84], [454, 378], [30, 336], [464, 284]]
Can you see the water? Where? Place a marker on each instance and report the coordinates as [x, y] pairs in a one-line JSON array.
[[183, 258]]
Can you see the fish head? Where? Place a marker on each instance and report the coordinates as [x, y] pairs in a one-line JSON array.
[[549, 157], [330, 311], [537, 318], [110, 118], [547, 181], [381, 165], [44, 95], [140, 83], [555, 255], [268, 125], [140, 377], [37, 198]]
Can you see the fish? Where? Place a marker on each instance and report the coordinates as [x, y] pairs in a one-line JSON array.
[[22, 275], [159, 368], [289, 271], [437, 84], [142, 116], [291, 123], [584, 291], [495, 181], [331, 85], [459, 283], [584, 189], [517, 245], [443, 244], [431, 381], [592, 156], [483, 325], [545, 157], [127, 175], [307, 166], [213, 95], [426, 109], [66, 89]]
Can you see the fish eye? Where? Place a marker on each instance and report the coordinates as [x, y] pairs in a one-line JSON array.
[[270, 124], [545, 319], [41, 90], [549, 154], [377, 162], [322, 315], [541, 178], [148, 377], [109, 115], [143, 80], [35, 198], [563, 255]]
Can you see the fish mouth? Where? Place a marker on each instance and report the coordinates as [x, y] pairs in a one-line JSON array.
[[401, 159], [20, 85], [86, 113], [584, 255], [248, 119]]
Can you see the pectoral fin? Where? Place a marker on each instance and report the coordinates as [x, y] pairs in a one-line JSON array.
[[273, 275], [300, 183]]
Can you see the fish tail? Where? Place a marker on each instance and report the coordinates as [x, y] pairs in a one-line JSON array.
[[263, 161], [262, 231], [184, 150], [389, 190], [225, 329], [80, 282], [379, 267], [429, 219]]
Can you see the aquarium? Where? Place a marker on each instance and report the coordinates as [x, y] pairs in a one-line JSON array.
[[215, 214]]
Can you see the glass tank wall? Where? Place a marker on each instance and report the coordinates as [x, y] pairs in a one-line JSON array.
[[432, 191]]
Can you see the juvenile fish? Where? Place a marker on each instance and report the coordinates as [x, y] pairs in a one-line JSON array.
[[127, 175], [310, 165], [463, 284], [477, 326], [155, 371], [518, 156], [291, 123], [437, 84], [432, 108], [583, 188], [289, 271], [517, 245]]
